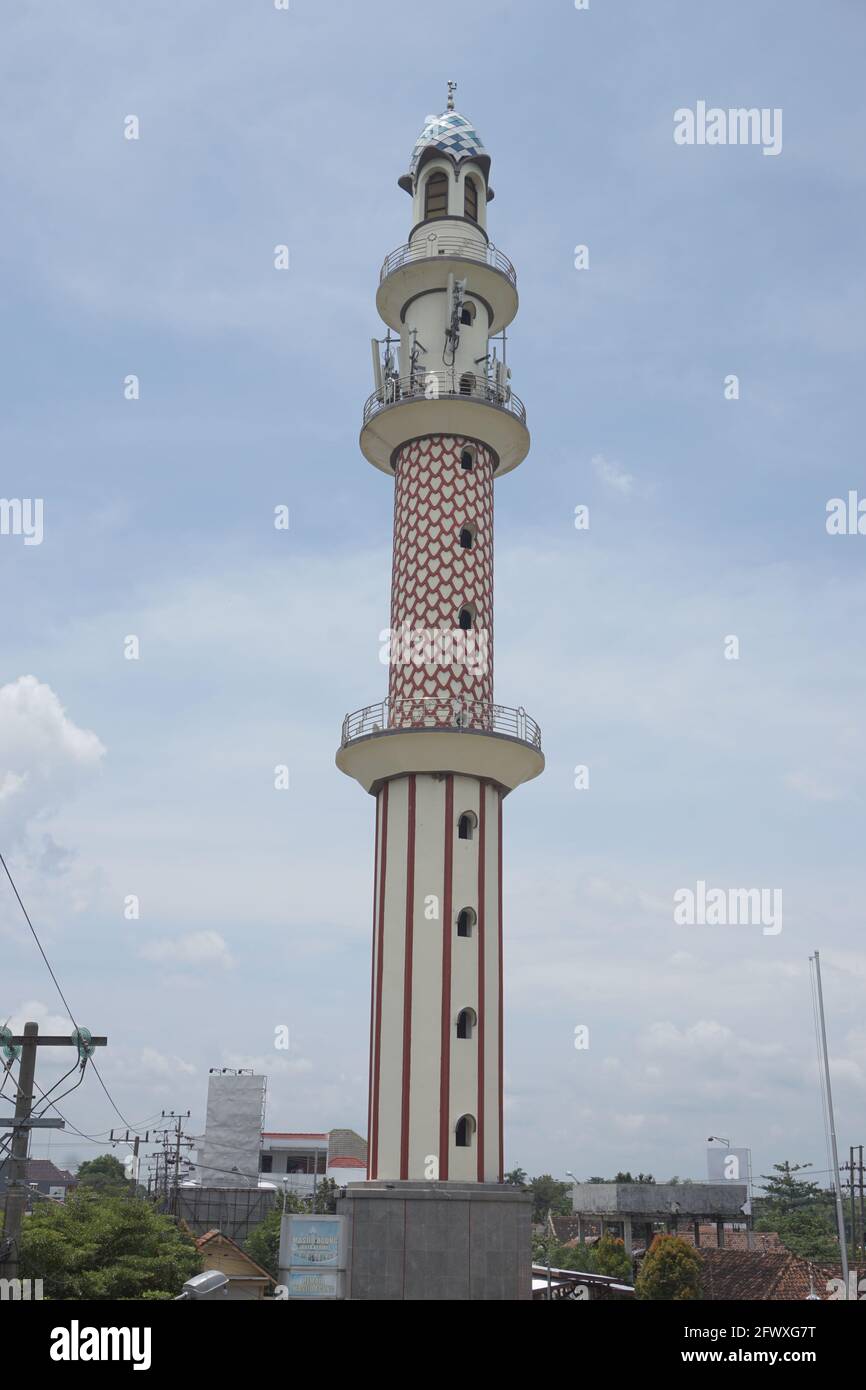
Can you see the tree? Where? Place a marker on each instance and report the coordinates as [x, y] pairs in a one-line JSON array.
[[326, 1197], [609, 1257], [517, 1177], [105, 1174], [801, 1212], [548, 1194], [786, 1193], [105, 1247], [263, 1242], [670, 1270]]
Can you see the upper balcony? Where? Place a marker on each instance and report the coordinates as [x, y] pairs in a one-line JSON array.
[[424, 264], [432, 734], [471, 405]]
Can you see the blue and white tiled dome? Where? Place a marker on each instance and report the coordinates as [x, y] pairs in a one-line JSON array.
[[451, 134]]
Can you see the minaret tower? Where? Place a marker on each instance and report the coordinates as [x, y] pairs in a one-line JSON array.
[[439, 755]]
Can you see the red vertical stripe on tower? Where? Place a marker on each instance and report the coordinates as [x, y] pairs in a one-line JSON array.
[[482, 807], [501, 1034], [445, 1044], [407, 979], [374, 1133], [373, 989]]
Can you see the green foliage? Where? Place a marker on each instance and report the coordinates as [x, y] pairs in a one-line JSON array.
[[609, 1257], [670, 1271], [105, 1247], [326, 1197], [800, 1211], [548, 1194], [517, 1177], [263, 1242], [104, 1174]]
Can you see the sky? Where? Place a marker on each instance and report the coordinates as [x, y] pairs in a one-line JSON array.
[[154, 777]]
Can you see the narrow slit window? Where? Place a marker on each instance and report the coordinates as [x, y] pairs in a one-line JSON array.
[[466, 1021], [466, 920]]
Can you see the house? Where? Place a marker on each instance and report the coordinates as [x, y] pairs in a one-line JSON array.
[[767, 1276], [295, 1160], [247, 1280], [43, 1176]]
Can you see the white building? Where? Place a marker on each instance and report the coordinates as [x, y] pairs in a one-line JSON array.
[[296, 1160]]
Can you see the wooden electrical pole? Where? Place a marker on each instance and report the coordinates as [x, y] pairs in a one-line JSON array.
[[23, 1123]]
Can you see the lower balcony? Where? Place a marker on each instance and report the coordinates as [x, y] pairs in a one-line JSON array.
[[470, 737], [445, 402]]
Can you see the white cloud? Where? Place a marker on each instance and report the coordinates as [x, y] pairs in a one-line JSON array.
[[44, 757], [196, 948], [612, 475]]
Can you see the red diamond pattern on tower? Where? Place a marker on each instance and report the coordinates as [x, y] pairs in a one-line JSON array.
[[434, 577]]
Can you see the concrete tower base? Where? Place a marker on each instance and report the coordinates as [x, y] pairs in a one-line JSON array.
[[409, 1241]]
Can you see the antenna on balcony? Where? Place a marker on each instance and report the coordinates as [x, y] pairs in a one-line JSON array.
[[455, 295], [378, 381]]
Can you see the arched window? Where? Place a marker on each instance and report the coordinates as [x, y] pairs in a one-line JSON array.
[[464, 1131], [467, 314], [468, 532], [436, 195], [467, 459], [466, 617], [467, 384], [466, 1021], [466, 825], [466, 920], [470, 199]]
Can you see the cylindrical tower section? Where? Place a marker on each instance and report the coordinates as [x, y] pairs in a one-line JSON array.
[[436, 1009], [441, 657]]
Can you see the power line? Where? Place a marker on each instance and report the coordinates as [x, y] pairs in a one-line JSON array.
[[111, 1101]]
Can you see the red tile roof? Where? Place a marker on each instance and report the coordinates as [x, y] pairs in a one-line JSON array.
[[761, 1275], [346, 1163]]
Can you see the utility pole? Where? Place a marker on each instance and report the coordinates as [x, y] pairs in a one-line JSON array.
[[180, 1141], [135, 1142], [853, 1203], [840, 1210], [862, 1210], [24, 1046]]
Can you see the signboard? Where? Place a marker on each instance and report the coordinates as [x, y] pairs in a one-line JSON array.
[[728, 1165], [315, 1283], [313, 1255]]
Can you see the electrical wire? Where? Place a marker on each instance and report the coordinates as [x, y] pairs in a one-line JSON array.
[[108, 1094]]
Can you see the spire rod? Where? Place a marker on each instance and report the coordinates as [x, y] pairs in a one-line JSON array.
[[452, 88]]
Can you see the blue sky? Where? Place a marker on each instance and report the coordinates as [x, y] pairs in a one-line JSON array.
[[155, 257]]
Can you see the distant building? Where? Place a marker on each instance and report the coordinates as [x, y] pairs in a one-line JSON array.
[[296, 1160], [635, 1212], [44, 1176], [228, 1152]]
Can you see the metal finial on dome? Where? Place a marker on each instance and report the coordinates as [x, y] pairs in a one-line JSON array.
[[452, 88]]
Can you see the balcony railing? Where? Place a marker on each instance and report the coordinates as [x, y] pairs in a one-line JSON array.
[[434, 712], [459, 247], [447, 385]]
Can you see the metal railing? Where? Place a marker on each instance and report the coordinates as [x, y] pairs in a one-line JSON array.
[[459, 247], [446, 385], [435, 712]]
